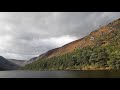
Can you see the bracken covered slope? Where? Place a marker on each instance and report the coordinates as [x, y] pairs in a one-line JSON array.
[[100, 49], [88, 40]]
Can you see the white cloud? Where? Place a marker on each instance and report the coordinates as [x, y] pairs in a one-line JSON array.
[[60, 41]]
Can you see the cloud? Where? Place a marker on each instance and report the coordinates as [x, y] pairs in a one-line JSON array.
[[24, 35]]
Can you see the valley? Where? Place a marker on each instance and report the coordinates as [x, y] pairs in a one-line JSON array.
[[100, 50]]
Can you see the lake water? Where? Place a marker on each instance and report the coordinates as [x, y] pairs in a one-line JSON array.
[[59, 74]]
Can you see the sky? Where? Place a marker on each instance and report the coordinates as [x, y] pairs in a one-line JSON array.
[[24, 35]]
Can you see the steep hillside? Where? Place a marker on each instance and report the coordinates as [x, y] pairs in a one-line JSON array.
[[88, 40], [7, 65], [98, 50]]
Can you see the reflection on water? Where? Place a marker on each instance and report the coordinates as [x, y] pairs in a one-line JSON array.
[[59, 74]]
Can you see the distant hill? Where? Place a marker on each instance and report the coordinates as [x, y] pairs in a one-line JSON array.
[[99, 50], [18, 62], [30, 61], [7, 65]]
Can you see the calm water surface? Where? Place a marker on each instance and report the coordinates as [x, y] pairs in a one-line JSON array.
[[59, 74]]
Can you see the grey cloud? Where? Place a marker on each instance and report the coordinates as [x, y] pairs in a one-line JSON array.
[[33, 33]]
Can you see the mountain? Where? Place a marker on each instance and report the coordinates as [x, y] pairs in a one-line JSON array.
[[36, 58], [99, 50], [30, 61], [18, 62], [88, 40], [7, 65]]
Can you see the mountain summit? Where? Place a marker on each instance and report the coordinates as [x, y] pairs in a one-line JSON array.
[[99, 50]]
